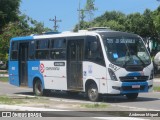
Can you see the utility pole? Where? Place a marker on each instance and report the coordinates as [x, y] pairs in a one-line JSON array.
[[79, 14], [55, 23]]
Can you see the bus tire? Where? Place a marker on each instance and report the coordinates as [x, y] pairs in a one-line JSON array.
[[92, 92], [38, 88], [132, 96]]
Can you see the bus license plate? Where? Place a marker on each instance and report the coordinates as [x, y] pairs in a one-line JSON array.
[[135, 86]]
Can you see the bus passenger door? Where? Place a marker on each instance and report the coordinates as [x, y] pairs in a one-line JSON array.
[[74, 64], [23, 68]]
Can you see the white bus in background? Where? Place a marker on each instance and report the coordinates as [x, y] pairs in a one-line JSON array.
[[97, 62]]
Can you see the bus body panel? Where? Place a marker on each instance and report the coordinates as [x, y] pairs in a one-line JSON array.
[[93, 71], [54, 74], [33, 72], [14, 73], [48, 73]]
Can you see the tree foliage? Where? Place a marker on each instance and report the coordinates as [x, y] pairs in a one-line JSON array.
[[13, 24], [9, 10], [146, 25], [90, 8]]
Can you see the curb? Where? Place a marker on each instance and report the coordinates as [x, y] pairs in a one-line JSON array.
[[15, 107], [4, 75], [27, 109]]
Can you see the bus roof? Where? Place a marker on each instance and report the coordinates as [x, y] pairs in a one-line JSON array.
[[22, 38], [117, 34], [108, 33]]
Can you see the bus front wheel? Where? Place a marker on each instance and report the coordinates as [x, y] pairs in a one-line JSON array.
[[38, 89], [92, 92], [132, 96]]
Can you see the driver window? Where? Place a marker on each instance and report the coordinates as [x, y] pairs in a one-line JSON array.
[[93, 50]]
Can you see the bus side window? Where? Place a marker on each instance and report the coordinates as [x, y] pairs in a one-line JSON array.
[[58, 49], [14, 51], [42, 49], [73, 51], [31, 50], [93, 50]]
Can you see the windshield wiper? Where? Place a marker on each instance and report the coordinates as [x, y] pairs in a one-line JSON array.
[[127, 54], [125, 60], [143, 64]]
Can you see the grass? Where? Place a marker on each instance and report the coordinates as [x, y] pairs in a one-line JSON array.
[[95, 105], [10, 101], [3, 72], [4, 79], [17, 100], [157, 89]]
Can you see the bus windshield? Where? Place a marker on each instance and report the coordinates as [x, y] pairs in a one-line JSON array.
[[126, 51]]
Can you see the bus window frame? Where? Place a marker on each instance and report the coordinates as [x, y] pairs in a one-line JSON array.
[[99, 47], [11, 51], [42, 50], [34, 47], [77, 38], [52, 48]]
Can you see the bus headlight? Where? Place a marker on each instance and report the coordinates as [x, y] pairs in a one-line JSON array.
[[112, 75]]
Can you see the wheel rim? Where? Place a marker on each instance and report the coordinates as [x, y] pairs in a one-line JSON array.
[[38, 88], [93, 93]]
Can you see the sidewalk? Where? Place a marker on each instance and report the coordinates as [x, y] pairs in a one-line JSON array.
[[156, 80], [4, 75]]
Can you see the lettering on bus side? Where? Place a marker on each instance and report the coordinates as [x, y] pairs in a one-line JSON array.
[[34, 68], [114, 67], [59, 63], [52, 68]]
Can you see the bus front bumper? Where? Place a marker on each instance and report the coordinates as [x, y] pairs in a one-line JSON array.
[[131, 87]]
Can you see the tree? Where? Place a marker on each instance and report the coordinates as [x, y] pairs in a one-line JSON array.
[[90, 8], [156, 21], [9, 10], [10, 30]]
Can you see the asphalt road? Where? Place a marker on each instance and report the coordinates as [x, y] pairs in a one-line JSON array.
[[145, 101]]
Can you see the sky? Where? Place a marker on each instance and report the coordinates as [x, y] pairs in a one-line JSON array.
[[66, 10]]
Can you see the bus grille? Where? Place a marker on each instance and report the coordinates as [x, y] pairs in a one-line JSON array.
[[134, 68], [134, 78]]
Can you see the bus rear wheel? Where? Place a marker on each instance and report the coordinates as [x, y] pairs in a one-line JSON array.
[[132, 96], [92, 92], [38, 89]]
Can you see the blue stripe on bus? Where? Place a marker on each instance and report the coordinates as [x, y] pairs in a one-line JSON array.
[[130, 84], [134, 74], [33, 72], [22, 38], [14, 73]]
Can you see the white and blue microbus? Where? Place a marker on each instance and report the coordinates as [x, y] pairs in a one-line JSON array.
[[96, 62]]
